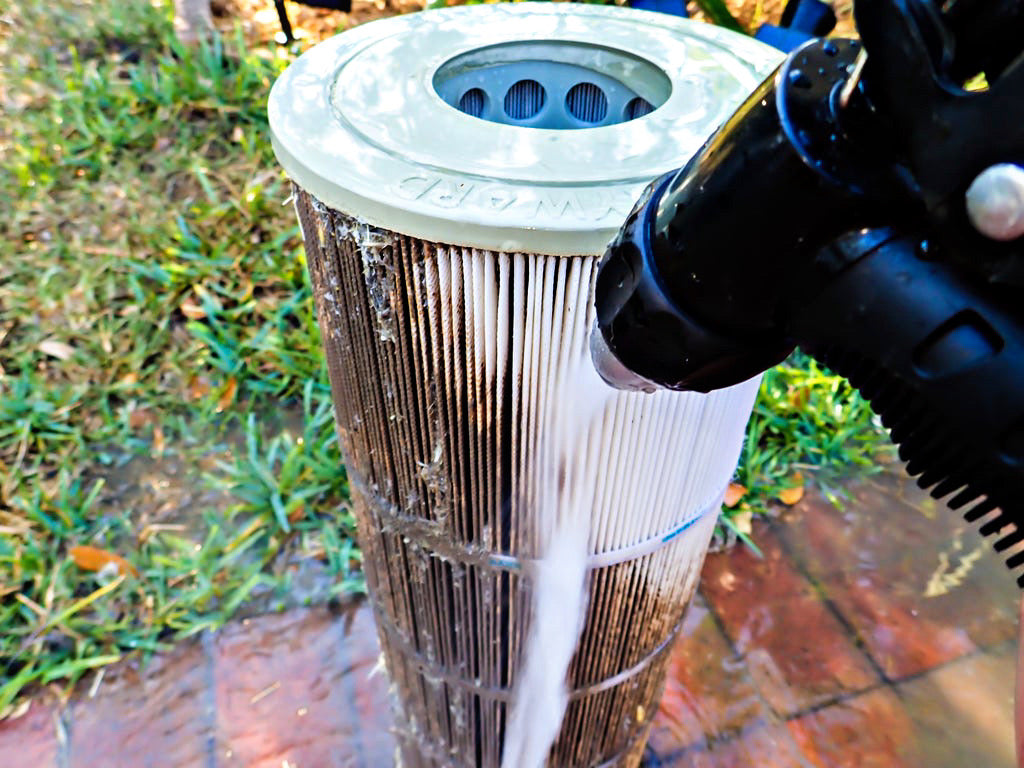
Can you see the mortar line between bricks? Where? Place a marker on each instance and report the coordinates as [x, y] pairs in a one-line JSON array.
[[349, 687], [210, 699], [839, 698], [720, 625], [774, 525], [63, 723], [735, 735], [774, 717], [941, 665], [848, 627], [883, 685]]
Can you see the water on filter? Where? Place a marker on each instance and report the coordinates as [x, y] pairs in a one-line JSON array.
[[562, 514]]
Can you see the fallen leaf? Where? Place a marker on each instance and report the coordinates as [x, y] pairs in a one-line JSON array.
[[94, 559], [743, 520], [140, 417], [733, 494], [227, 397], [159, 442], [14, 711], [297, 514], [790, 496], [191, 310], [57, 349], [198, 387], [798, 397]]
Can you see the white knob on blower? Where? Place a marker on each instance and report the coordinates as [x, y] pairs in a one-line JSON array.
[[995, 202]]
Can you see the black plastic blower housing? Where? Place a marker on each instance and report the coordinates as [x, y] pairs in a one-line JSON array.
[[829, 212]]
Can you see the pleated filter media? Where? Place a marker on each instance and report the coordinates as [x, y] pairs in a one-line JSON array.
[[454, 205]]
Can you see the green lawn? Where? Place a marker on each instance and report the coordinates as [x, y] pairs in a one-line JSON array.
[[162, 394]]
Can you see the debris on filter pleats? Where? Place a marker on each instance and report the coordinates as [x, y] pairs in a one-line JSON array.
[[414, 530], [458, 713], [433, 681], [374, 248], [380, 668], [442, 513], [412, 500], [294, 200], [435, 480], [319, 208], [418, 564], [329, 295]]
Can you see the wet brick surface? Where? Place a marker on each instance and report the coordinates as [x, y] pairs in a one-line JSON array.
[[796, 650], [284, 692], [871, 729], [963, 712], [155, 717], [708, 691], [881, 635], [764, 747], [917, 585], [32, 739]]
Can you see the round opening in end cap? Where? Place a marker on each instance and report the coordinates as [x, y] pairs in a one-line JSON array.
[[552, 84]]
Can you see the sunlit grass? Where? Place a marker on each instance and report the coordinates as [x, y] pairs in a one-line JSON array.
[[155, 311]]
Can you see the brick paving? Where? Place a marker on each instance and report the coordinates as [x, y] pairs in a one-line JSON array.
[[879, 635]]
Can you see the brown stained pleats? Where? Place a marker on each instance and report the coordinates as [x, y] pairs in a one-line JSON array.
[[446, 364]]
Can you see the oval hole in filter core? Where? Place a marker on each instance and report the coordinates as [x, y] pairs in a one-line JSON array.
[[472, 102], [587, 102], [524, 99], [638, 107]]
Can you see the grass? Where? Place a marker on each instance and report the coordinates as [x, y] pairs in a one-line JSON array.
[[808, 426], [155, 304], [155, 324]]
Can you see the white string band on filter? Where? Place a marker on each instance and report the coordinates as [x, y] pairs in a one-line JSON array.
[[530, 537]]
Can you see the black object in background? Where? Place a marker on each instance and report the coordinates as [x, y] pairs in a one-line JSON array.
[[331, 5]]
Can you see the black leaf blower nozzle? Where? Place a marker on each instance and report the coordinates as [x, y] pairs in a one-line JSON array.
[[829, 213]]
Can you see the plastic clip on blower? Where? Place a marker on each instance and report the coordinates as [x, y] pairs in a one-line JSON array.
[[863, 205]]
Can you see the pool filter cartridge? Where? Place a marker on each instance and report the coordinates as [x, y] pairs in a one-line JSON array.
[[457, 175]]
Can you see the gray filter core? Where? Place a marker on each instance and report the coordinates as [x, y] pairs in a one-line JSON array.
[[552, 84]]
